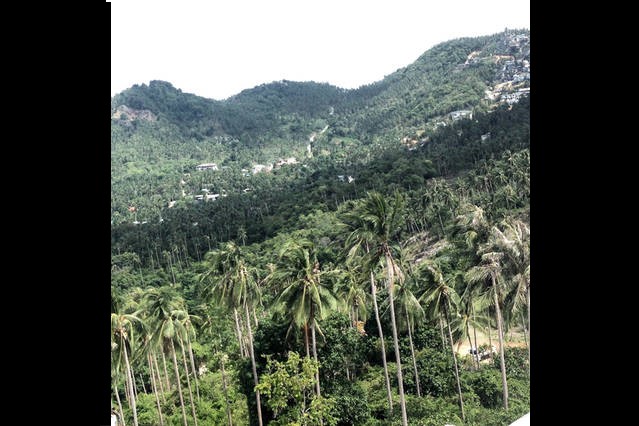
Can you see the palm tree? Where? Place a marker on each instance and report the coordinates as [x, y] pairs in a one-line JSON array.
[[154, 385], [488, 275], [305, 298], [223, 357], [514, 243], [122, 328], [235, 285], [442, 298], [379, 223], [219, 281], [412, 311], [470, 303], [190, 331], [359, 254], [164, 309], [353, 294], [115, 377]]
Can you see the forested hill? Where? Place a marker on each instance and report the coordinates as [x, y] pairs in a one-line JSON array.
[[284, 142], [384, 230]]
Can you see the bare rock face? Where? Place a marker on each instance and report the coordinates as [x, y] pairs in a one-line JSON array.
[[126, 114]]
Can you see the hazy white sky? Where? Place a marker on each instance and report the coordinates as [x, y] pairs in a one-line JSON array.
[[217, 48]]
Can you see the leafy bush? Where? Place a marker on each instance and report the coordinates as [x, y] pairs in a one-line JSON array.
[[486, 384], [516, 362]]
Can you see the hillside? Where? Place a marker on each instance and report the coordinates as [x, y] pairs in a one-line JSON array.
[[159, 133], [304, 254]]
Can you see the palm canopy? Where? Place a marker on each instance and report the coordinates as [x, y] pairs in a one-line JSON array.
[[514, 244], [166, 314], [231, 277], [408, 305], [123, 334], [373, 225], [472, 223], [352, 290], [440, 295], [306, 296], [486, 278]]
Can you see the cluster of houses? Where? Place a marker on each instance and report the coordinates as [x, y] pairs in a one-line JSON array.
[[462, 113], [265, 168], [257, 168], [206, 166], [513, 76]]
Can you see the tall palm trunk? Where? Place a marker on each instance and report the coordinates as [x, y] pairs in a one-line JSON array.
[[177, 380], [226, 396], [441, 331], [159, 376], [500, 331], [117, 398], [306, 342], [381, 339], [523, 325], [129, 380], [490, 342], [154, 388], [135, 385], [166, 372], [142, 381], [188, 381], [126, 390], [238, 330], [252, 352], [475, 337], [390, 266], [197, 387], [317, 383], [412, 353], [470, 342], [452, 348]]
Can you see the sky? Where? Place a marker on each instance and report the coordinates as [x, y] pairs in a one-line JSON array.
[[217, 48]]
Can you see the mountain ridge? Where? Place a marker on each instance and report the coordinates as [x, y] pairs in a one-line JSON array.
[[314, 139]]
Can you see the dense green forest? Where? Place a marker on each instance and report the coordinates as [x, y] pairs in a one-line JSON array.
[[344, 247]]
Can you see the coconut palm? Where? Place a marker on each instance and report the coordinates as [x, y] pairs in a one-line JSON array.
[[377, 224], [221, 269], [234, 284], [122, 336], [411, 311], [514, 243], [165, 312], [353, 293], [306, 297], [471, 306], [359, 255], [443, 300], [488, 275]]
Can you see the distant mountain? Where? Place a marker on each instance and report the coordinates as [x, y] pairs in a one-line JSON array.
[[453, 75], [273, 145]]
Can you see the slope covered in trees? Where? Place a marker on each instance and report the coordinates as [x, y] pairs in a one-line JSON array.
[[334, 289]]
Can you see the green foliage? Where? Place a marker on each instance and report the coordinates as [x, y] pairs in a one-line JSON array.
[[486, 384], [341, 348], [351, 404], [289, 391], [435, 372], [373, 384], [430, 411], [460, 183], [516, 362]]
